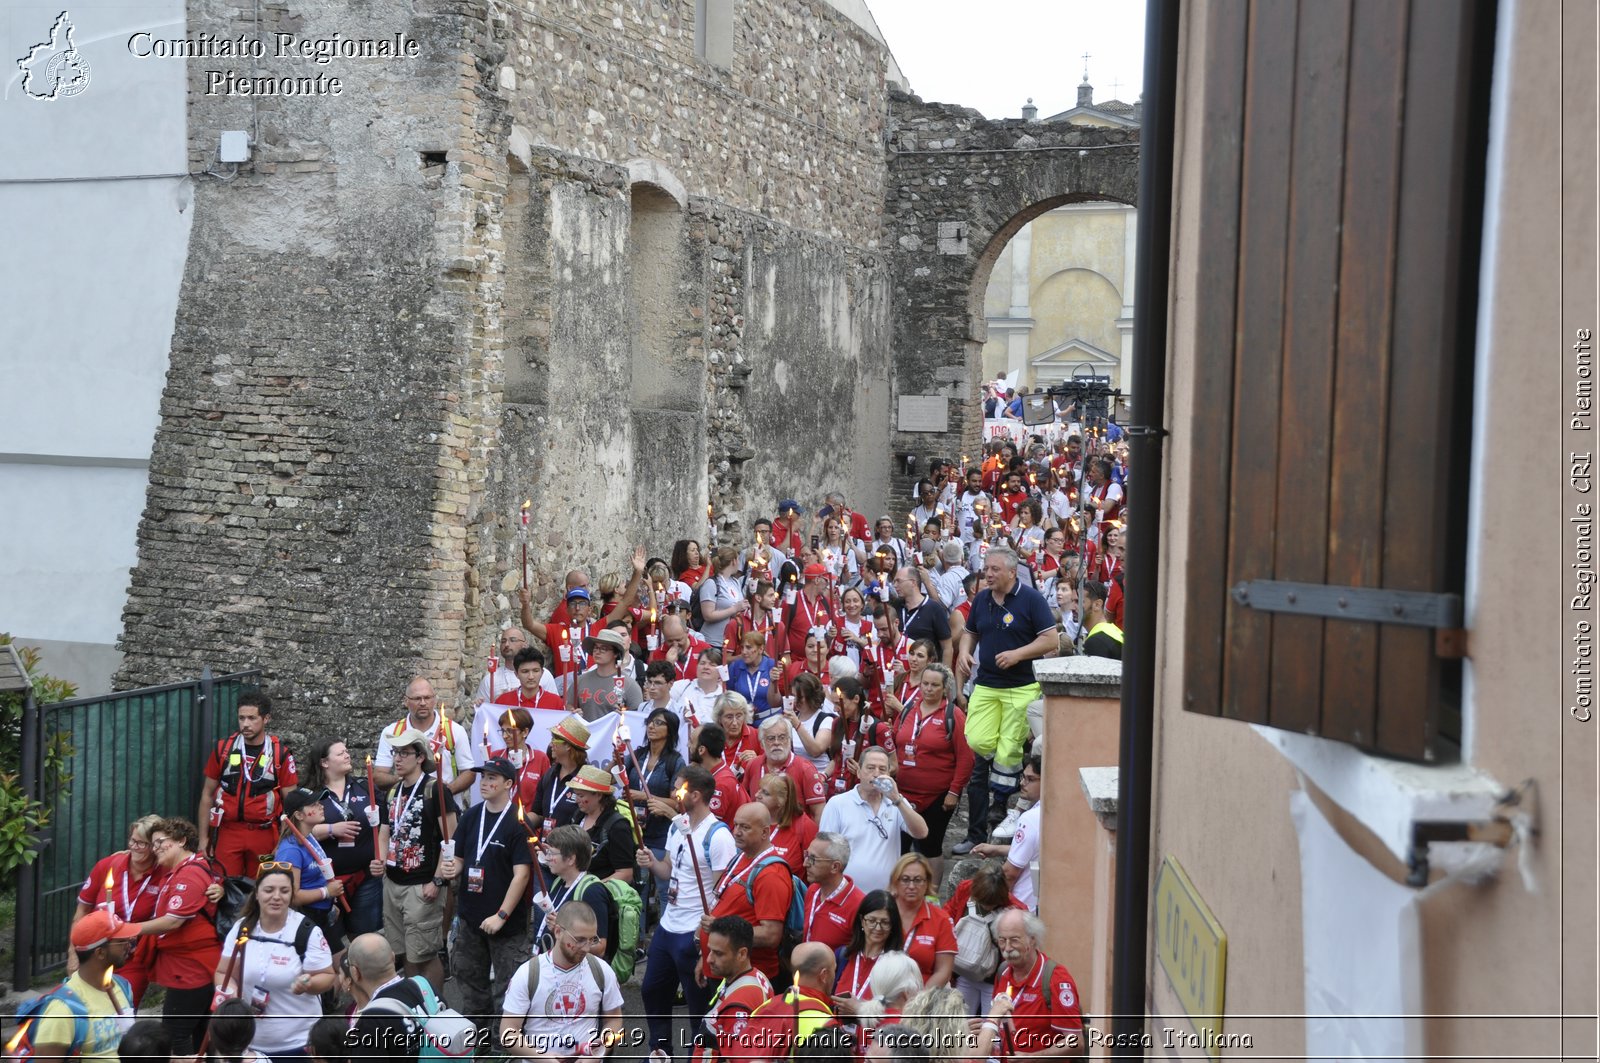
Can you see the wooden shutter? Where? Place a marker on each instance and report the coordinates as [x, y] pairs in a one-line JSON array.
[[1341, 194]]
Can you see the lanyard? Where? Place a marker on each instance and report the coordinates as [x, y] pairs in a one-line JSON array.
[[398, 817], [127, 906], [486, 832], [751, 683], [813, 909], [341, 804], [858, 980], [245, 760], [731, 876], [918, 722], [811, 614]]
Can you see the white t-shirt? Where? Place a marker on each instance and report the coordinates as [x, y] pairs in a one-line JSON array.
[[567, 1011], [874, 839], [821, 723], [688, 697], [271, 966], [683, 910], [1024, 851], [450, 761]]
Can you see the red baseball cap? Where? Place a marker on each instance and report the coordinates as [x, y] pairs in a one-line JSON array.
[[99, 927], [815, 571]]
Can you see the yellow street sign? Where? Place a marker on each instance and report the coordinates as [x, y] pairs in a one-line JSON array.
[[1193, 949]]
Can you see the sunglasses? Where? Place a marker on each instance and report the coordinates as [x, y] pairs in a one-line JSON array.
[[268, 864]]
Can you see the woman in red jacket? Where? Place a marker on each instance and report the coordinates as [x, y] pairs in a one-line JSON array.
[[187, 947], [934, 761]]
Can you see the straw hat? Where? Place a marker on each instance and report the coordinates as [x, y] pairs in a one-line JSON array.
[[572, 731], [591, 780]]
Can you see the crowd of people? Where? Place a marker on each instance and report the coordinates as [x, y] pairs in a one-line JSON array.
[[767, 853]]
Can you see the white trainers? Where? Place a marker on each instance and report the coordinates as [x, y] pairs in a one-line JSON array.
[[1007, 829]]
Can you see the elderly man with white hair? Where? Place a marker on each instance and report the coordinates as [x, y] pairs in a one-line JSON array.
[[1035, 998]]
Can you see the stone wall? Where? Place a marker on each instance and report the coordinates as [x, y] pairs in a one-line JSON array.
[[960, 187], [554, 257]]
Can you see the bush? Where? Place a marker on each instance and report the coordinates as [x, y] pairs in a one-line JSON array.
[[21, 819]]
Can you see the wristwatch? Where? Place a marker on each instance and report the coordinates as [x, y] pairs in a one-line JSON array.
[[438, 883], [502, 916]]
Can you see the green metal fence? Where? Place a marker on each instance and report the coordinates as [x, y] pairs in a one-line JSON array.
[[101, 763]]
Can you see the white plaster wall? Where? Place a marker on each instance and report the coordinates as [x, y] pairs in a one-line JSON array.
[[88, 295]]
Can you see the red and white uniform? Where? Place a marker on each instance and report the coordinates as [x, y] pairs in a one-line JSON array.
[[567, 656], [730, 1011], [930, 934], [1040, 1013], [829, 919], [805, 614], [516, 699], [729, 796], [771, 890], [186, 957], [810, 785], [844, 627], [687, 666], [534, 766], [131, 902]]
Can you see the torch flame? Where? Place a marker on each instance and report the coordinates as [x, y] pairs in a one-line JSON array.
[[682, 792], [526, 503], [105, 983], [16, 1041], [519, 811]]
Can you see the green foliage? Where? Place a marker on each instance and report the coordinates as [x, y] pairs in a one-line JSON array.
[[21, 819]]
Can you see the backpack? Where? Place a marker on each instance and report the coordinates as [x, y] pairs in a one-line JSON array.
[[22, 1047], [977, 956], [794, 924], [446, 1033], [624, 924], [302, 936], [596, 971], [236, 890]]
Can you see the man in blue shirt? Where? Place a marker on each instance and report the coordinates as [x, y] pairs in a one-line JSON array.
[[1010, 626]]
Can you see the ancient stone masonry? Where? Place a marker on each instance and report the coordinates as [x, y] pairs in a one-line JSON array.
[[556, 257], [960, 187]]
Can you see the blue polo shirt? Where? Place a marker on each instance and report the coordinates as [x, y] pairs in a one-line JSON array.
[[1011, 626]]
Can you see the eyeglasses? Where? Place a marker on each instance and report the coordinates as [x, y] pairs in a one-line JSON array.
[[159, 843], [912, 880], [813, 858], [135, 843], [878, 826], [419, 697], [408, 751], [875, 924], [587, 943]]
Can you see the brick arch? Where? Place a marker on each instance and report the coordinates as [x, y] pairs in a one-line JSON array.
[[960, 187]]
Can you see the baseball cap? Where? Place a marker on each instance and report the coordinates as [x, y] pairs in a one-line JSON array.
[[579, 592], [298, 799], [815, 571], [99, 927], [788, 505], [499, 766]]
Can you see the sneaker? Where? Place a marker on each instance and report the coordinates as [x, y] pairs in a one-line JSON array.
[[1007, 828], [963, 847]]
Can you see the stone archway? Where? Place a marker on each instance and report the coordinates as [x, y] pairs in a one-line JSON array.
[[960, 187]]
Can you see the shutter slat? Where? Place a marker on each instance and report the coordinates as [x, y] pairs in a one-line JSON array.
[[1321, 71], [1258, 360], [1428, 255], [1360, 408], [1222, 129]]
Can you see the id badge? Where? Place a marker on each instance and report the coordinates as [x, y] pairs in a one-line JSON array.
[[474, 880], [259, 999], [672, 893], [351, 844]]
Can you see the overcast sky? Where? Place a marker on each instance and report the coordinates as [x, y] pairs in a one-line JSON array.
[[993, 54]]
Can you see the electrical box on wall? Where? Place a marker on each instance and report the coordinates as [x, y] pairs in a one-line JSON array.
[[235, 146]]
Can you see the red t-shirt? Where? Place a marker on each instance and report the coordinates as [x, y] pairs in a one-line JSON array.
[[855, 976], [1114, 603], [812, 788], [783, 539], [1040, 1013], [773, 643], [772, 891], [187, 957], [133, 902], [931, 761], [803, 615], [687, 666], [566, 645], [249, 778], [1010, 502], [731, 1011], [691, 576], [793, 841], [543, 700], [726, 801], [830, 919], [534, 766], [929, 934]]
